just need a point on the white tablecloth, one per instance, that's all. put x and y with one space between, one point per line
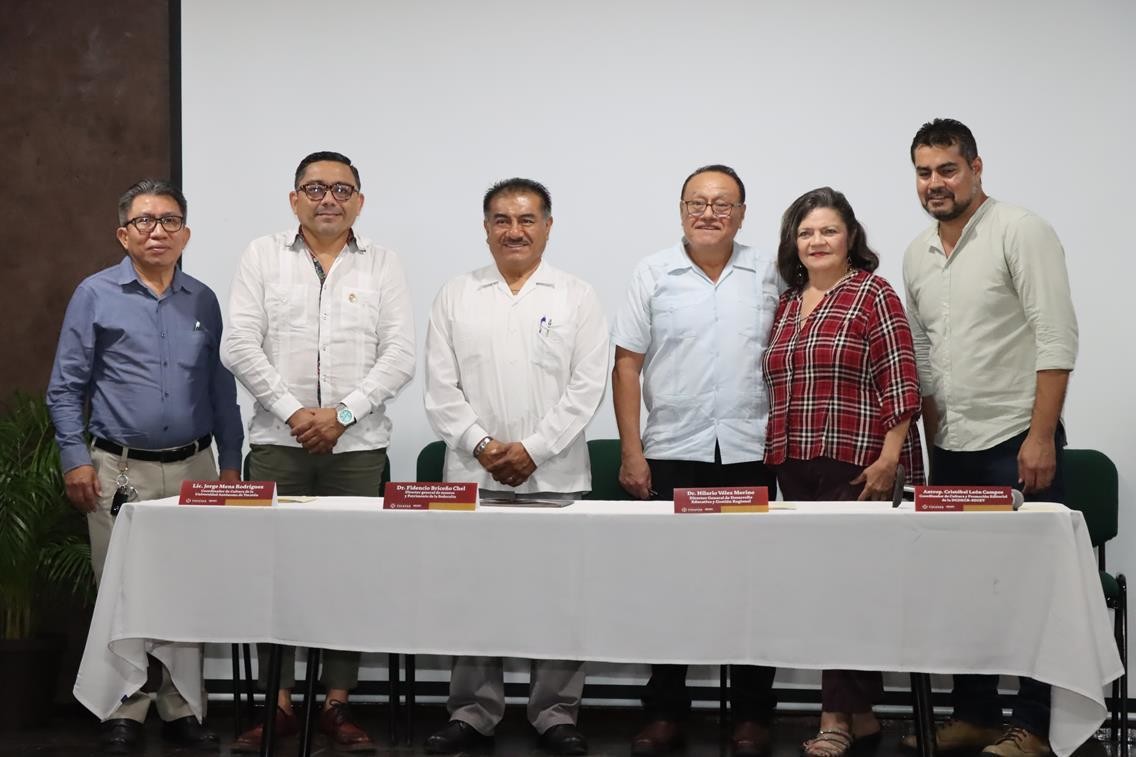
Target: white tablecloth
836 585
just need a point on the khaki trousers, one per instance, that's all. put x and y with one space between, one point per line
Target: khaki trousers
477 692
153 481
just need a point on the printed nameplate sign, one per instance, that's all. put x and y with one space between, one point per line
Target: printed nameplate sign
953 499
426 495
241 493
722 499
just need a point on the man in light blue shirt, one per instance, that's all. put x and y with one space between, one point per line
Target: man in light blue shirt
694 327
139 345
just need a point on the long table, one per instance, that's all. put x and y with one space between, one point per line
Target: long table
813 585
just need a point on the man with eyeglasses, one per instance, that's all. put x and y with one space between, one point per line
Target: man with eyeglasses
321 334
693 328
139 346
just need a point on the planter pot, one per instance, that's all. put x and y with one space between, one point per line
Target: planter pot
28 672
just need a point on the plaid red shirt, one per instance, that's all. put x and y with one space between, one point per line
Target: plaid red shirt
839 383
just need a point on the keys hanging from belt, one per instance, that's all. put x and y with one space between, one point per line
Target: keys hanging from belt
125 491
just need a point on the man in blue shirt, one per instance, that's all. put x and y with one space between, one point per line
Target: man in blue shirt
693 330
139 346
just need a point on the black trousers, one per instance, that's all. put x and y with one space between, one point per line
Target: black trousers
824 479
666 696
975 697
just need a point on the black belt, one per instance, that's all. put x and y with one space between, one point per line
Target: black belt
157 456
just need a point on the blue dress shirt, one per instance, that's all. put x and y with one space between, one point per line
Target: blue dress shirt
703 342
148 365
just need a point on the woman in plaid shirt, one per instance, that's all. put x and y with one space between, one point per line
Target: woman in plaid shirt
843 394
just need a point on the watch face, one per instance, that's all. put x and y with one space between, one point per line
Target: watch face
345 416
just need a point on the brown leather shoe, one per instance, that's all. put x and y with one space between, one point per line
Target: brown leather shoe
751 739
658 737
336 723
287 724
957 736
1018 742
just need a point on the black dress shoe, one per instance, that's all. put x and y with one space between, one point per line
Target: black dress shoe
120 735
564 739
188 732
457 736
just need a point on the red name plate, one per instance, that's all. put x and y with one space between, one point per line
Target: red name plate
953 499
722 499
420 495
246 493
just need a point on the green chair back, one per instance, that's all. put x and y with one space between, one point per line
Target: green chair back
605 458
1091 487
431 461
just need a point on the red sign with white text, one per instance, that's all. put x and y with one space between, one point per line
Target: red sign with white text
950 499
430 495
722 499
243 493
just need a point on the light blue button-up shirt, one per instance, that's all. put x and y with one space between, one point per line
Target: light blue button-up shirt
703 342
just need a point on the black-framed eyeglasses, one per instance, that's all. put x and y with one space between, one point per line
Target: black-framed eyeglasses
146 224
720 208
317 190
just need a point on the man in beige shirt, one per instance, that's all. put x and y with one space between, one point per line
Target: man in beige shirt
995 341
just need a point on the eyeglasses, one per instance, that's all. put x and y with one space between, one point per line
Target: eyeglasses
317 190
146 224
720 208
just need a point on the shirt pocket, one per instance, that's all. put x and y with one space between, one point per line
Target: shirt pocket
685 315
286 306
553 350
359 309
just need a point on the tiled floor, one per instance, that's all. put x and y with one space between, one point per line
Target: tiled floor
74 733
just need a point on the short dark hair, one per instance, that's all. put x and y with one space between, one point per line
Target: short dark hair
789 261
716 168
148 187
517 185
322 155
944 132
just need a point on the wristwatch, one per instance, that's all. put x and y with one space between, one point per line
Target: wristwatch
481 445
344 415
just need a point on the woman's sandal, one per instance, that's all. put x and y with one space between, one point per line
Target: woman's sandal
832 743
842 743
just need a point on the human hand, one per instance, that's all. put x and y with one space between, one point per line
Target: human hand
635 476
878 480
1037 463
319 430
509 465
83 488
229 476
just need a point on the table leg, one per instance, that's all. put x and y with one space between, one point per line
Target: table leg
271 694
410 671
250 693
309 702
723 711
393 664
924 714
235 653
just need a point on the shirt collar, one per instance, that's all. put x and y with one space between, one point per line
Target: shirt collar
298 242
743 256
490 276
936 241
127 275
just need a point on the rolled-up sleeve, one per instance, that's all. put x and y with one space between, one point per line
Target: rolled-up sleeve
892 358
1036 261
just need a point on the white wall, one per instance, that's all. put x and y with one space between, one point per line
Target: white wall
612 104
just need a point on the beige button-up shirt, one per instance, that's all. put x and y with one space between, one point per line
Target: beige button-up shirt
986 319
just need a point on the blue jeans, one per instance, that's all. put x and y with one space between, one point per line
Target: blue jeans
975 697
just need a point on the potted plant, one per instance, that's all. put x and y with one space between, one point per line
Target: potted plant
43 551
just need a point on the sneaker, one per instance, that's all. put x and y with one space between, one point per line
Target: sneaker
954 735
1018 742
